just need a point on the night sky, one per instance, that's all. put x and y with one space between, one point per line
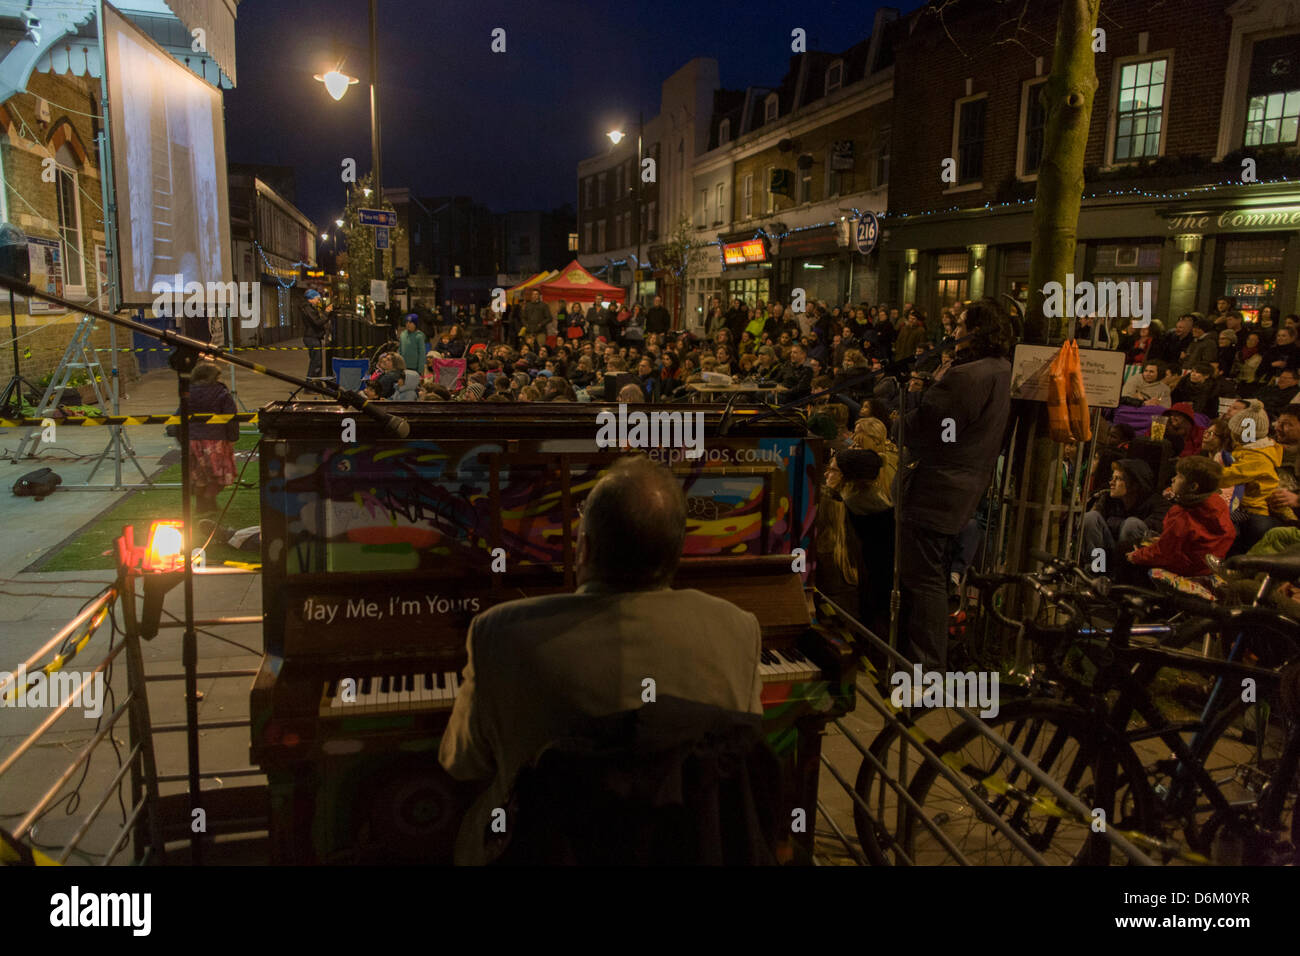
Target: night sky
505 128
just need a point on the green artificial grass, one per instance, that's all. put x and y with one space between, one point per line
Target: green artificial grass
93 547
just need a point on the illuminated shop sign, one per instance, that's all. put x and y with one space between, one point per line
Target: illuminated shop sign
739 253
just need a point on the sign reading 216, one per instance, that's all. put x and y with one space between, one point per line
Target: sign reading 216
866 230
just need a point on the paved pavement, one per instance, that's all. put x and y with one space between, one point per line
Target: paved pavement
34 606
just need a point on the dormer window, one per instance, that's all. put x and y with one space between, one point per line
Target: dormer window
834 76
770 108
724 132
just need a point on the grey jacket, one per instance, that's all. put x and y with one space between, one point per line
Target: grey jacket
538 664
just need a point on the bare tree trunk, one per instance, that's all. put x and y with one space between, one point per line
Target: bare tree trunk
1067 96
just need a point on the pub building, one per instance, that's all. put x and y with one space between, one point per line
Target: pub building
816 258
746 267
1192 245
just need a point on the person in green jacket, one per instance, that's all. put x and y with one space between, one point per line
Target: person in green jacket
414 344
911 336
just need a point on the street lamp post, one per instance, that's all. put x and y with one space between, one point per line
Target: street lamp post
616 136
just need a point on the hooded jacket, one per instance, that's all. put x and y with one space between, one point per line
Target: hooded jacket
1254 466
1150 507
1196 526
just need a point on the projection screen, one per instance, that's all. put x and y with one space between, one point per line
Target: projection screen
168 142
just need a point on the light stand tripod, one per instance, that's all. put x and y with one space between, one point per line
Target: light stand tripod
13 393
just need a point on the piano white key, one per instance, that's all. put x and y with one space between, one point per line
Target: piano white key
783 664
453 685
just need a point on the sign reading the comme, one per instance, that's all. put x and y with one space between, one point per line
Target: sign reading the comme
1278 217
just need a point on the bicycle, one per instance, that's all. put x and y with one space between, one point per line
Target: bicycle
1229 785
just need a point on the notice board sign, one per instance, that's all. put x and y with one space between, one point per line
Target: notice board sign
1103 374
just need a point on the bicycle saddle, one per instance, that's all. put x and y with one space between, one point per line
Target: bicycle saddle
1285 565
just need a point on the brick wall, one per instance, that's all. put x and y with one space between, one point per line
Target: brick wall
930 74
866 128
32 204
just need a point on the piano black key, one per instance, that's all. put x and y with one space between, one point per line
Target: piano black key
383 684
365 685
428 682
409 683
442 680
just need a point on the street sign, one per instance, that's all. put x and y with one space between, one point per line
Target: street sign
381 237
376 217
866 231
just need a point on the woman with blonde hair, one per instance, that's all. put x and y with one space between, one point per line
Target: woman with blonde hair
863 479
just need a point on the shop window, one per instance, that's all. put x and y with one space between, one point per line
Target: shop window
1253 254
968 137
1139 257
1273 95
1034 120
1139 117
953 277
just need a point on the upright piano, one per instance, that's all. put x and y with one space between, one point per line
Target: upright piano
378 552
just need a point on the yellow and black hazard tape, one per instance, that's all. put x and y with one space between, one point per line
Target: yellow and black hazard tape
198 418
14 853
61 659
995 783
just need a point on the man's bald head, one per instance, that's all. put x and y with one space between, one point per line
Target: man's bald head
633 525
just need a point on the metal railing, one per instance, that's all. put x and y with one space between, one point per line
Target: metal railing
907 736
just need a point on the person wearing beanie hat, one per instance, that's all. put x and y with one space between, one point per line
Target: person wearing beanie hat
1197 524
1128 511
1256 459
315 331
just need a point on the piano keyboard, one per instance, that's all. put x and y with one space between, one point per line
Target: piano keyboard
433 690
436 690
787 664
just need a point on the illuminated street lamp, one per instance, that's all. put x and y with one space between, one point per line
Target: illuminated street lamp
616 136
336 82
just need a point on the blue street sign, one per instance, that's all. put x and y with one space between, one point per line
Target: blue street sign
865 232
381 237
376 217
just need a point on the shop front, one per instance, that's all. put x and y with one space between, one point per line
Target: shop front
816 261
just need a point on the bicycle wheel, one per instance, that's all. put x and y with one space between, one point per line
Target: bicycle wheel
1241 750
1061 740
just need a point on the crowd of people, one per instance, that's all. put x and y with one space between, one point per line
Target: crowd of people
1198 461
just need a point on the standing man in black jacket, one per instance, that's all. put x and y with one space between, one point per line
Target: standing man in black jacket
315 331
953 438
657 319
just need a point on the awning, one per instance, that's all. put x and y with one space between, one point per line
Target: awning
62 37
574 283
514 292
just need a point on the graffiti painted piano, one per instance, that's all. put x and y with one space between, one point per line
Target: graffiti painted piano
378 552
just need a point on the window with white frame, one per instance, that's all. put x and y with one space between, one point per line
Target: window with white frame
747 197
703 219
1140 109
771 108
66 184
724 132
718 216
1033 128
1273 93
968 138
834 76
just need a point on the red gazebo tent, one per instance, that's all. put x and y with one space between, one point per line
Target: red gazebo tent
576 284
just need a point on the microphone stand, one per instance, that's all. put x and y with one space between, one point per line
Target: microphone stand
186 356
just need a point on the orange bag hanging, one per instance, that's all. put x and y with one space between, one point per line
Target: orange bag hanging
1077 398
1058 414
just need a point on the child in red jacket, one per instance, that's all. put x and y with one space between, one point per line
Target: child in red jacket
1196 525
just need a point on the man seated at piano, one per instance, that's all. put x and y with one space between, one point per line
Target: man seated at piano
538 665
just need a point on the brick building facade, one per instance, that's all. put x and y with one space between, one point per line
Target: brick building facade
60 201
1163 166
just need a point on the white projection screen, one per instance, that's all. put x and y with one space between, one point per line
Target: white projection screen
168 142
